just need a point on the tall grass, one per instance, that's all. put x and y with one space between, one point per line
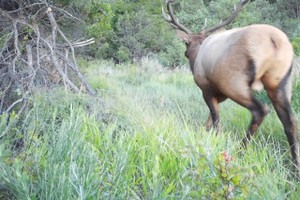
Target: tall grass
147 142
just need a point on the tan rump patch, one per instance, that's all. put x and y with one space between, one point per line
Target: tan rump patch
257 85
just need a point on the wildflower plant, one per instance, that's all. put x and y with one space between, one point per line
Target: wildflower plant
221 179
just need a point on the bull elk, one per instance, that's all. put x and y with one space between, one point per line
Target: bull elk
233 63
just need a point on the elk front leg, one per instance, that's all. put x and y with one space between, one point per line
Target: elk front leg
214 118
209 122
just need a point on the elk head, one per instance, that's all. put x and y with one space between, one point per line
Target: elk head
192 40
232 63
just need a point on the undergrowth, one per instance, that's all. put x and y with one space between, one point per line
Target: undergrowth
146 142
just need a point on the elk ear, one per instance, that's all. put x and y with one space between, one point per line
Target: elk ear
183 36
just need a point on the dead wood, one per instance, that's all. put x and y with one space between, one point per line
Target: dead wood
34 51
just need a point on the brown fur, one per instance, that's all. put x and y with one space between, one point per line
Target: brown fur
230 64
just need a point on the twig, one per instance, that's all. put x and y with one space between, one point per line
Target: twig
22 8
42 55
58 68
53 25
67 13
37 31
22 108
13 104
84 43
16 45
2 98
5 43
30 63
80 76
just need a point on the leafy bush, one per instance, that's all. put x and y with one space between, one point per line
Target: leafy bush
174 55
296 95
296 45
124 54
128 30
222 179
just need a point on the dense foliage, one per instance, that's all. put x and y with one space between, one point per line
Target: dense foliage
127 30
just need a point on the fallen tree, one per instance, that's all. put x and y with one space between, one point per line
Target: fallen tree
34 51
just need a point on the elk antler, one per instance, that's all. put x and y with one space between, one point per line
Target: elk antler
229 20
171 18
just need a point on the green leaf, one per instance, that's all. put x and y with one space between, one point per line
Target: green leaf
245 191
224 174
236 180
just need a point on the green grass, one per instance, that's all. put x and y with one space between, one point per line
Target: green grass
147 142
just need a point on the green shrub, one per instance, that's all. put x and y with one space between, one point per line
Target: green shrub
296 46
173 56
124 54
222 179
296 95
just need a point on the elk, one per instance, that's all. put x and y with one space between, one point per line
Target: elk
233 63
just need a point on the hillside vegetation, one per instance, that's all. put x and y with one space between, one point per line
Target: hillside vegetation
147 142
97 102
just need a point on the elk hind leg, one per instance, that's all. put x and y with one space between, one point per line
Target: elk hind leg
245 98
281 98
258 112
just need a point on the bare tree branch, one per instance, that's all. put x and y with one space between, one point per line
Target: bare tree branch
16 43
58 68
67 13
53 25
81 77
13 104
35 51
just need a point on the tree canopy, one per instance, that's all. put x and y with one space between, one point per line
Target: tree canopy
127 30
